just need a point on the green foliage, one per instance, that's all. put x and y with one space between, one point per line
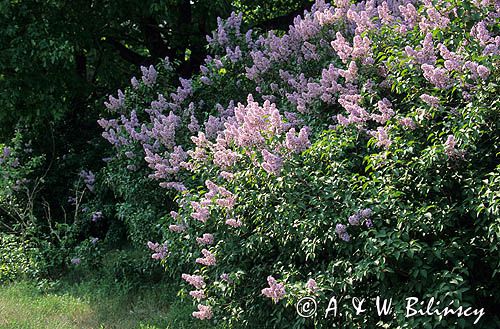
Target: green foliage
18 259
18 185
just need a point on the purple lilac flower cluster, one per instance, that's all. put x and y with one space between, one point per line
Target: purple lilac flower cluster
89 179
357 219
275 291
96 216
160 251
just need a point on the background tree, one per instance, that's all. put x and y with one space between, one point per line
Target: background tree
59 59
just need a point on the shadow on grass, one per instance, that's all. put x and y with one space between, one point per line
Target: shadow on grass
88 305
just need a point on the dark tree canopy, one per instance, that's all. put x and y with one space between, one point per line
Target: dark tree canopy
59 57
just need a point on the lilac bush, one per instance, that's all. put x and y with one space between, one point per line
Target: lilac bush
352 148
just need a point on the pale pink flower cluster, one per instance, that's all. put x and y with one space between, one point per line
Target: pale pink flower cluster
407 123
361 17
272 163
450 148
481 33
276 291
342 47
410 16
194 280
178 186
434 19
207 238
311 285
426 55
386 111
160 251
477 71
200 213
176 228
432 101
252 123
278 49
384 13
437 76
204 312
382 137
221 36
233 222
227 175
208 258
251 128
197 294
452 61
362 49
357 114
298 143
351 73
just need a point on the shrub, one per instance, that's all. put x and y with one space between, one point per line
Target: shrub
365 159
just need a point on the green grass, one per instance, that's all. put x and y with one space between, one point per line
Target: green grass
123 290
88 305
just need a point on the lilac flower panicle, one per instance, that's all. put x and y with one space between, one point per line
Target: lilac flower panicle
365 213
382 137
197 294
437 76
225 277
276 291
208 258
430 100
76 261
407 123
176 228
272 163
115 104
160 251
340 228
149 75
207 238
96 216
6 152
196 281
354 219
233 222
88 179
200 212
483 72
204 312
345 236
311 285
450 147
298 143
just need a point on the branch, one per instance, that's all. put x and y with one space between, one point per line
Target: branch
282 22
127 54
154 40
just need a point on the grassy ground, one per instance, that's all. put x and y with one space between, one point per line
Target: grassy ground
119 289
85 305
